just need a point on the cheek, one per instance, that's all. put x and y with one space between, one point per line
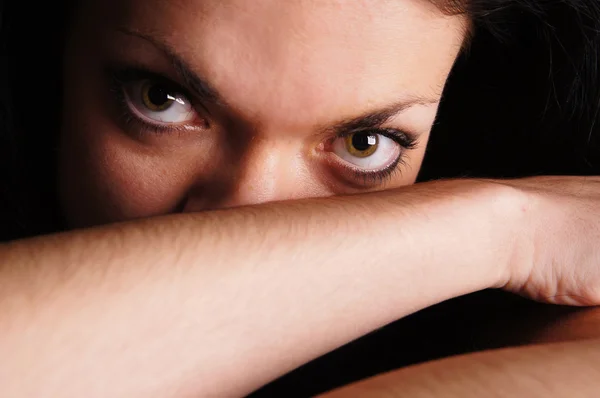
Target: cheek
138 184
104 181
106 175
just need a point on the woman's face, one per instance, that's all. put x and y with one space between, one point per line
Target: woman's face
188 105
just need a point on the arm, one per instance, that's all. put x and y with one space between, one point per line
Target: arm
557 370
220 303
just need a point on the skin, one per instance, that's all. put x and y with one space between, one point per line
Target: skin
203 305
283 86
556 370
63 295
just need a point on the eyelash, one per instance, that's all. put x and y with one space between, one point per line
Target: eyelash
405 140
119 77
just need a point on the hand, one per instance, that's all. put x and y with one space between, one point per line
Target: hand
558 249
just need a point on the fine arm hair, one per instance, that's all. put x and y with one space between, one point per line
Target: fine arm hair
523 99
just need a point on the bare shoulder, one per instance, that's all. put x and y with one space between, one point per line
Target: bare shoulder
566 369
574 325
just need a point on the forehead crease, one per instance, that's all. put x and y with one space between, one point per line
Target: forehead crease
312 56
287 56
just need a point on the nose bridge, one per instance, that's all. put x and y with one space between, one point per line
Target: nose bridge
269 171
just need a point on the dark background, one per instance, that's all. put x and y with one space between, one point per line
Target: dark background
522 100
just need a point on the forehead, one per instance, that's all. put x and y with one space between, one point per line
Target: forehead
305 57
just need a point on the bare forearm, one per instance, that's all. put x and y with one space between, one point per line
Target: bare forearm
220 303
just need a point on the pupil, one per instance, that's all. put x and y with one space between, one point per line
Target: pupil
363 142
158 95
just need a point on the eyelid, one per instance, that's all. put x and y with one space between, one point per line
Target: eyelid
135 73
120 77
364 179
405 139
129 74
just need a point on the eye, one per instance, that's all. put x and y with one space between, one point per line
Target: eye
367 150
157 103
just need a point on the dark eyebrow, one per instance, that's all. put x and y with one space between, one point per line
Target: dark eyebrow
205 91
375 119
197 84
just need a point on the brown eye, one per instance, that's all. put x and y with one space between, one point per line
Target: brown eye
361 144
366 150
157 103
156 97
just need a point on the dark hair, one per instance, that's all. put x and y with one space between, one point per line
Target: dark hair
523 99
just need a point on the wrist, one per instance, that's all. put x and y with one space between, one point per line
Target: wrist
511 218
495 225
475 227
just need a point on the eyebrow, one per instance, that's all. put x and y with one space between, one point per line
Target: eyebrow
206 92
376 119
197 84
